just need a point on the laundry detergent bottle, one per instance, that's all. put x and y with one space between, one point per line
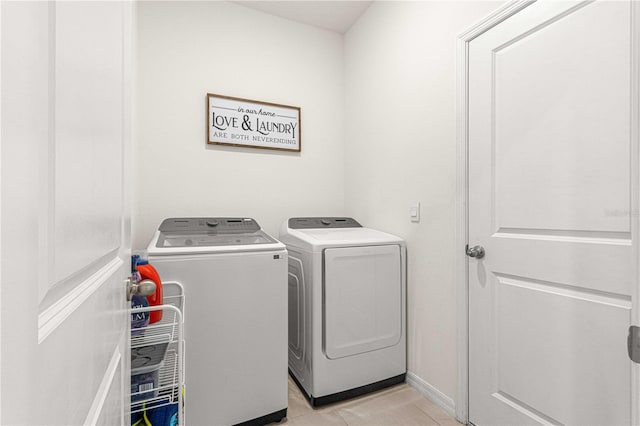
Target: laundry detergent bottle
148 272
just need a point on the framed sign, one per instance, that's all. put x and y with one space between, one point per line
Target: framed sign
255 124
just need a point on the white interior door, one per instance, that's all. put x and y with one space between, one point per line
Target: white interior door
552 130
64 232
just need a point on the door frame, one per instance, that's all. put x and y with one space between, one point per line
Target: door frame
462 196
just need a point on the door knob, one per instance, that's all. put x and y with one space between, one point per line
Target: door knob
475 251
143 288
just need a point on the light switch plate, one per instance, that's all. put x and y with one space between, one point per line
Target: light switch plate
414 212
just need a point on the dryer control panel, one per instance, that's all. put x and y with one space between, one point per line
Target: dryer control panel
323 222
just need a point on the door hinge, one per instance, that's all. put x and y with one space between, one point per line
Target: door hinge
633 343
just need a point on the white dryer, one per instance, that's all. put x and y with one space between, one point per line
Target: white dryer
347 307
235 284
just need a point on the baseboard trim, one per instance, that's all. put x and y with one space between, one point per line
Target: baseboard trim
431 393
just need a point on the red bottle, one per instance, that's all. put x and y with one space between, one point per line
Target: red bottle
148 272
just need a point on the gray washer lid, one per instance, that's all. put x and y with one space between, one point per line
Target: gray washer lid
209 225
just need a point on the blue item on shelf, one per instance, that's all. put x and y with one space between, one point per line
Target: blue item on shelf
139 319
135 258
164 416
144 386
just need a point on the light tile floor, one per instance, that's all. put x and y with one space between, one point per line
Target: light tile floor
397 405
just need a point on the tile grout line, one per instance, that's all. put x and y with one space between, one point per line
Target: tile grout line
305 412
426 413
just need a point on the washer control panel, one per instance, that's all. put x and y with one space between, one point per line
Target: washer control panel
323 222
209 225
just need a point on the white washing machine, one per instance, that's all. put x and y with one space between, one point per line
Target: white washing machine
235 284
347 307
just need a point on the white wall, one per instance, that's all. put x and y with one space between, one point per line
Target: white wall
393 79
400 148
185 50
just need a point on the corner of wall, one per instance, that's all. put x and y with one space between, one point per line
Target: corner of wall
432 393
